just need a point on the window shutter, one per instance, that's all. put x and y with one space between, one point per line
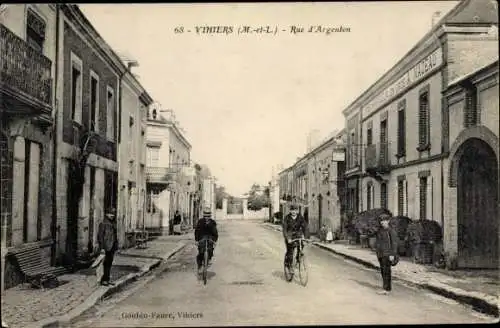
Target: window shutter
429 198
423 198
416 203
423 119
470 109
405 199
400 198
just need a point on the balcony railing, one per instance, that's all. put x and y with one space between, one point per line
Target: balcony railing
24 69
160 174
377 157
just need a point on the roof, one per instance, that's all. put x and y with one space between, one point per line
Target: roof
466 12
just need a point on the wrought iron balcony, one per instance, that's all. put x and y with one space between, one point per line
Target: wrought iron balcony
377 157
25 73
162 175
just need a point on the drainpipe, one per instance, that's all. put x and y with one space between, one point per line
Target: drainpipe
55 148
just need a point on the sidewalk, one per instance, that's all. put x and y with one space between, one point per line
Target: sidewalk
476 288
23 306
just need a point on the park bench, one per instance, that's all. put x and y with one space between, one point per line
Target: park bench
36 271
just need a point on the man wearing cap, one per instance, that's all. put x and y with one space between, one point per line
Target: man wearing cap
205 228
294 226
107 238
386 246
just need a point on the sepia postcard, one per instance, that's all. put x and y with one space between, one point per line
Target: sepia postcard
249 163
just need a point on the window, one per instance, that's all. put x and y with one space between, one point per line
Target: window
423 198
383 195
401 197
470 110
369 196
76 88
384 150
32 224
353 158
111 115
423 121
369 136
35 31
94 102
401 128
153 156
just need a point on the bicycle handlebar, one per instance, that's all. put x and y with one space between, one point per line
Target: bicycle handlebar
300 239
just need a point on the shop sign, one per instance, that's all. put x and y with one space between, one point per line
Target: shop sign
418 72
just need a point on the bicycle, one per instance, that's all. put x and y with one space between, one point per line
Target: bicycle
205 258
298 262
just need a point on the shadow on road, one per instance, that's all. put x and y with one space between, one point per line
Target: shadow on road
366 284
279 275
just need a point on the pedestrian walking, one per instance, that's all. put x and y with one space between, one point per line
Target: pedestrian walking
107 238
386 246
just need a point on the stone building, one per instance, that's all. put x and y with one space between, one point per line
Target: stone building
399 129
134 102
170 179
28 67
87 134
471 169
315 182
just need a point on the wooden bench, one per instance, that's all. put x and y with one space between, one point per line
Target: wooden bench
35 270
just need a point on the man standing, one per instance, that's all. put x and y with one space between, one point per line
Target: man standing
386 246
107 238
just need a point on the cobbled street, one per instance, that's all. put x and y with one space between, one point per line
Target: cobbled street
246 287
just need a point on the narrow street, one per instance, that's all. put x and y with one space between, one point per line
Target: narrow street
246 287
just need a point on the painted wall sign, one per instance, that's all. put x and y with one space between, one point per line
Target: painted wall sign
418 72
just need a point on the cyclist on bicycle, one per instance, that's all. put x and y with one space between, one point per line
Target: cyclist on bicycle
205 228
294 226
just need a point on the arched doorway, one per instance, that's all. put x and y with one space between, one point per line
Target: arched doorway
477 207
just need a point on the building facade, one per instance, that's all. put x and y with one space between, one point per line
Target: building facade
88 134
28 58
134 102
171 178
325 191
471 169
405 126
316 184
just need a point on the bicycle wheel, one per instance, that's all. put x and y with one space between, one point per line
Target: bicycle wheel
205 266
303 276
288 272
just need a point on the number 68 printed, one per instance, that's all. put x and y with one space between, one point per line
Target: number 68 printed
179 29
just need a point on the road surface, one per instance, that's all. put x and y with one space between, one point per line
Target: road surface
246 287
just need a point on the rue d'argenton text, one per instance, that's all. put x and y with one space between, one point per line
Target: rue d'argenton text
265 29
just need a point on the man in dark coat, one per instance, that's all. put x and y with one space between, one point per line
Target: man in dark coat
107 237
294 226
205 228
386 246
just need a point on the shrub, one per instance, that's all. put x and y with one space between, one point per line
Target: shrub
367 222
422 236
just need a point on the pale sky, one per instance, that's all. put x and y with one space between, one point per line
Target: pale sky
247 102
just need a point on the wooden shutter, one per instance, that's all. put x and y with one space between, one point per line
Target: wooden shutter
416 202
401 198
429 199
423 198
405 195
402 130
423 119
470 108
